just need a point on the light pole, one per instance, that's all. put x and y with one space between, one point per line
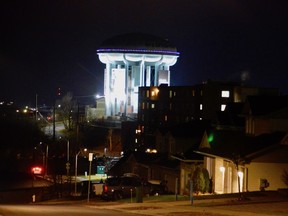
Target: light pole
45 162
76 170
68 158
46 157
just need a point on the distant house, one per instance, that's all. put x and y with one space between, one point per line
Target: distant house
180 138
268 165
149 167
189 161
234 159
266 114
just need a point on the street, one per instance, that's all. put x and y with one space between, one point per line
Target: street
45 210
130 209
271 204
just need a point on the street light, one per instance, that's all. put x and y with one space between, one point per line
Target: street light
76 169
46 158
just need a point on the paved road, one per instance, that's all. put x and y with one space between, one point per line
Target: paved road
184 208
254 206
63 210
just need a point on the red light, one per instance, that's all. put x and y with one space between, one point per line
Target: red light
105 188
36 170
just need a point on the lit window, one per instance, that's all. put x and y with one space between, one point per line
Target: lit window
156 91
174 94
193 93
152 105
170 94
166 118
143 106
136 141
201 106
223 106
147 93
225 94
152 93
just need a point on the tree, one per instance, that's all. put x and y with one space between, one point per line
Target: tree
19 133
65 109
198 181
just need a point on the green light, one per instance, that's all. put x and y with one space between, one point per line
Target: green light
211 137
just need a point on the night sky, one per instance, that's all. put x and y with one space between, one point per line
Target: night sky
50 44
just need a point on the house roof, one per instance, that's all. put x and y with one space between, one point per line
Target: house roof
229 144
264 105
147 159
189 156
273 154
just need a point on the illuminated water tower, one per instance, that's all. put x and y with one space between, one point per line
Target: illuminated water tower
132 61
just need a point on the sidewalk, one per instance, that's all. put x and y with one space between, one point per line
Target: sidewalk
254 206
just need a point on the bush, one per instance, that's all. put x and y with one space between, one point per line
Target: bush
285 177
198 181
207 180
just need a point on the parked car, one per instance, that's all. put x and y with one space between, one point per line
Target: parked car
156 187
121 187
115 188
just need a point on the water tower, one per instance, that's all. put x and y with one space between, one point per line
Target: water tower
132 61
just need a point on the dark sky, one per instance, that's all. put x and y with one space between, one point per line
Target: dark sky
50 44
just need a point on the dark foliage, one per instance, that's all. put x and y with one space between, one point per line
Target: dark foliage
285 177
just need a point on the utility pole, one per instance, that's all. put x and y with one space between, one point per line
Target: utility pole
36 109
54 115
89 178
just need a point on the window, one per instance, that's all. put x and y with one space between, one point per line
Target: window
225 94
193 93
152 106
166 118
147 93
201 106
223 106
170 94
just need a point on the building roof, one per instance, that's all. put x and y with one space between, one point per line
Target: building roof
138 43
231 144
264 105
